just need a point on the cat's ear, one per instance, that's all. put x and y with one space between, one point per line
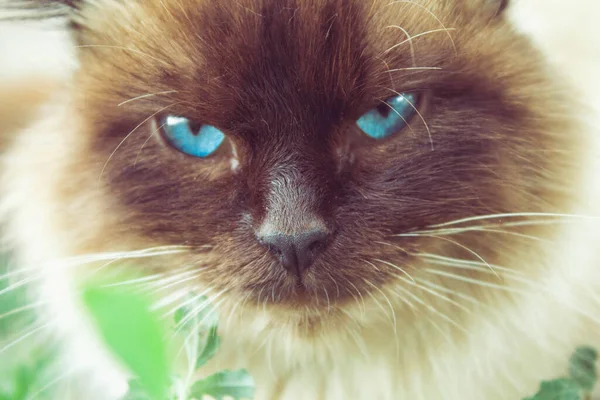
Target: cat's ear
70 3
495 8
20 10
37 59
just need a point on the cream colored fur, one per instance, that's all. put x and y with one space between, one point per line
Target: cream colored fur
538 329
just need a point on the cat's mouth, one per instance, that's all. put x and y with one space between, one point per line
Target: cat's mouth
301 297
304 311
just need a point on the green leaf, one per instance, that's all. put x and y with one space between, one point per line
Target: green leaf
204 319
25 379
236 384
199 319
210 345
582 367
558 389
136 391
133 333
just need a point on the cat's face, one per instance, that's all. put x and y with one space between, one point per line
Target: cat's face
298 207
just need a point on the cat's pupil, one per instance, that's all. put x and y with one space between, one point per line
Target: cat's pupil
195 128
384 109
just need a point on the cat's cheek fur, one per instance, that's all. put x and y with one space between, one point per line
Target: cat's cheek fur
34 228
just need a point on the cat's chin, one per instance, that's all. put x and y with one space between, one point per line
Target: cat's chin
304 323
300 298
303 315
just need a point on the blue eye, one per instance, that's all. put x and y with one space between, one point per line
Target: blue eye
180 134
389 118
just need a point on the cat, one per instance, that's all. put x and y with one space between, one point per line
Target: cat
383 199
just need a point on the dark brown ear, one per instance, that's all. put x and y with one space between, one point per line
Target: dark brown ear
495 7
70 3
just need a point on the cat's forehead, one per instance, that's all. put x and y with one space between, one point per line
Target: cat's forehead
261 54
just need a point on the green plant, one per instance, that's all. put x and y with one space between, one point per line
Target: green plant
14 312
580 382
24 367
138 338
134 333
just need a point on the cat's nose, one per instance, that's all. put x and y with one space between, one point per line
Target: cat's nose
296 252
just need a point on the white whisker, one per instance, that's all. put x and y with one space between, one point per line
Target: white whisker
396 267
269 354
481 228
193 313
434 16
410 43
103 266
194 275
419 114
372 265
393 245
244 301
137 156
259 295
512 215
415 69
465 264
145 279
411 38
337 287
327 297
360 344
168 299
387 67
125 255
364 306
23 337
261 345
192 299
399 115
145 96
473 281
450 291
191 346
21 309
445 298
131 133
17 285
53 382
467 249
433 309
394 322
232 311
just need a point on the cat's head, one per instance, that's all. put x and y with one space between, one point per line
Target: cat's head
310 153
